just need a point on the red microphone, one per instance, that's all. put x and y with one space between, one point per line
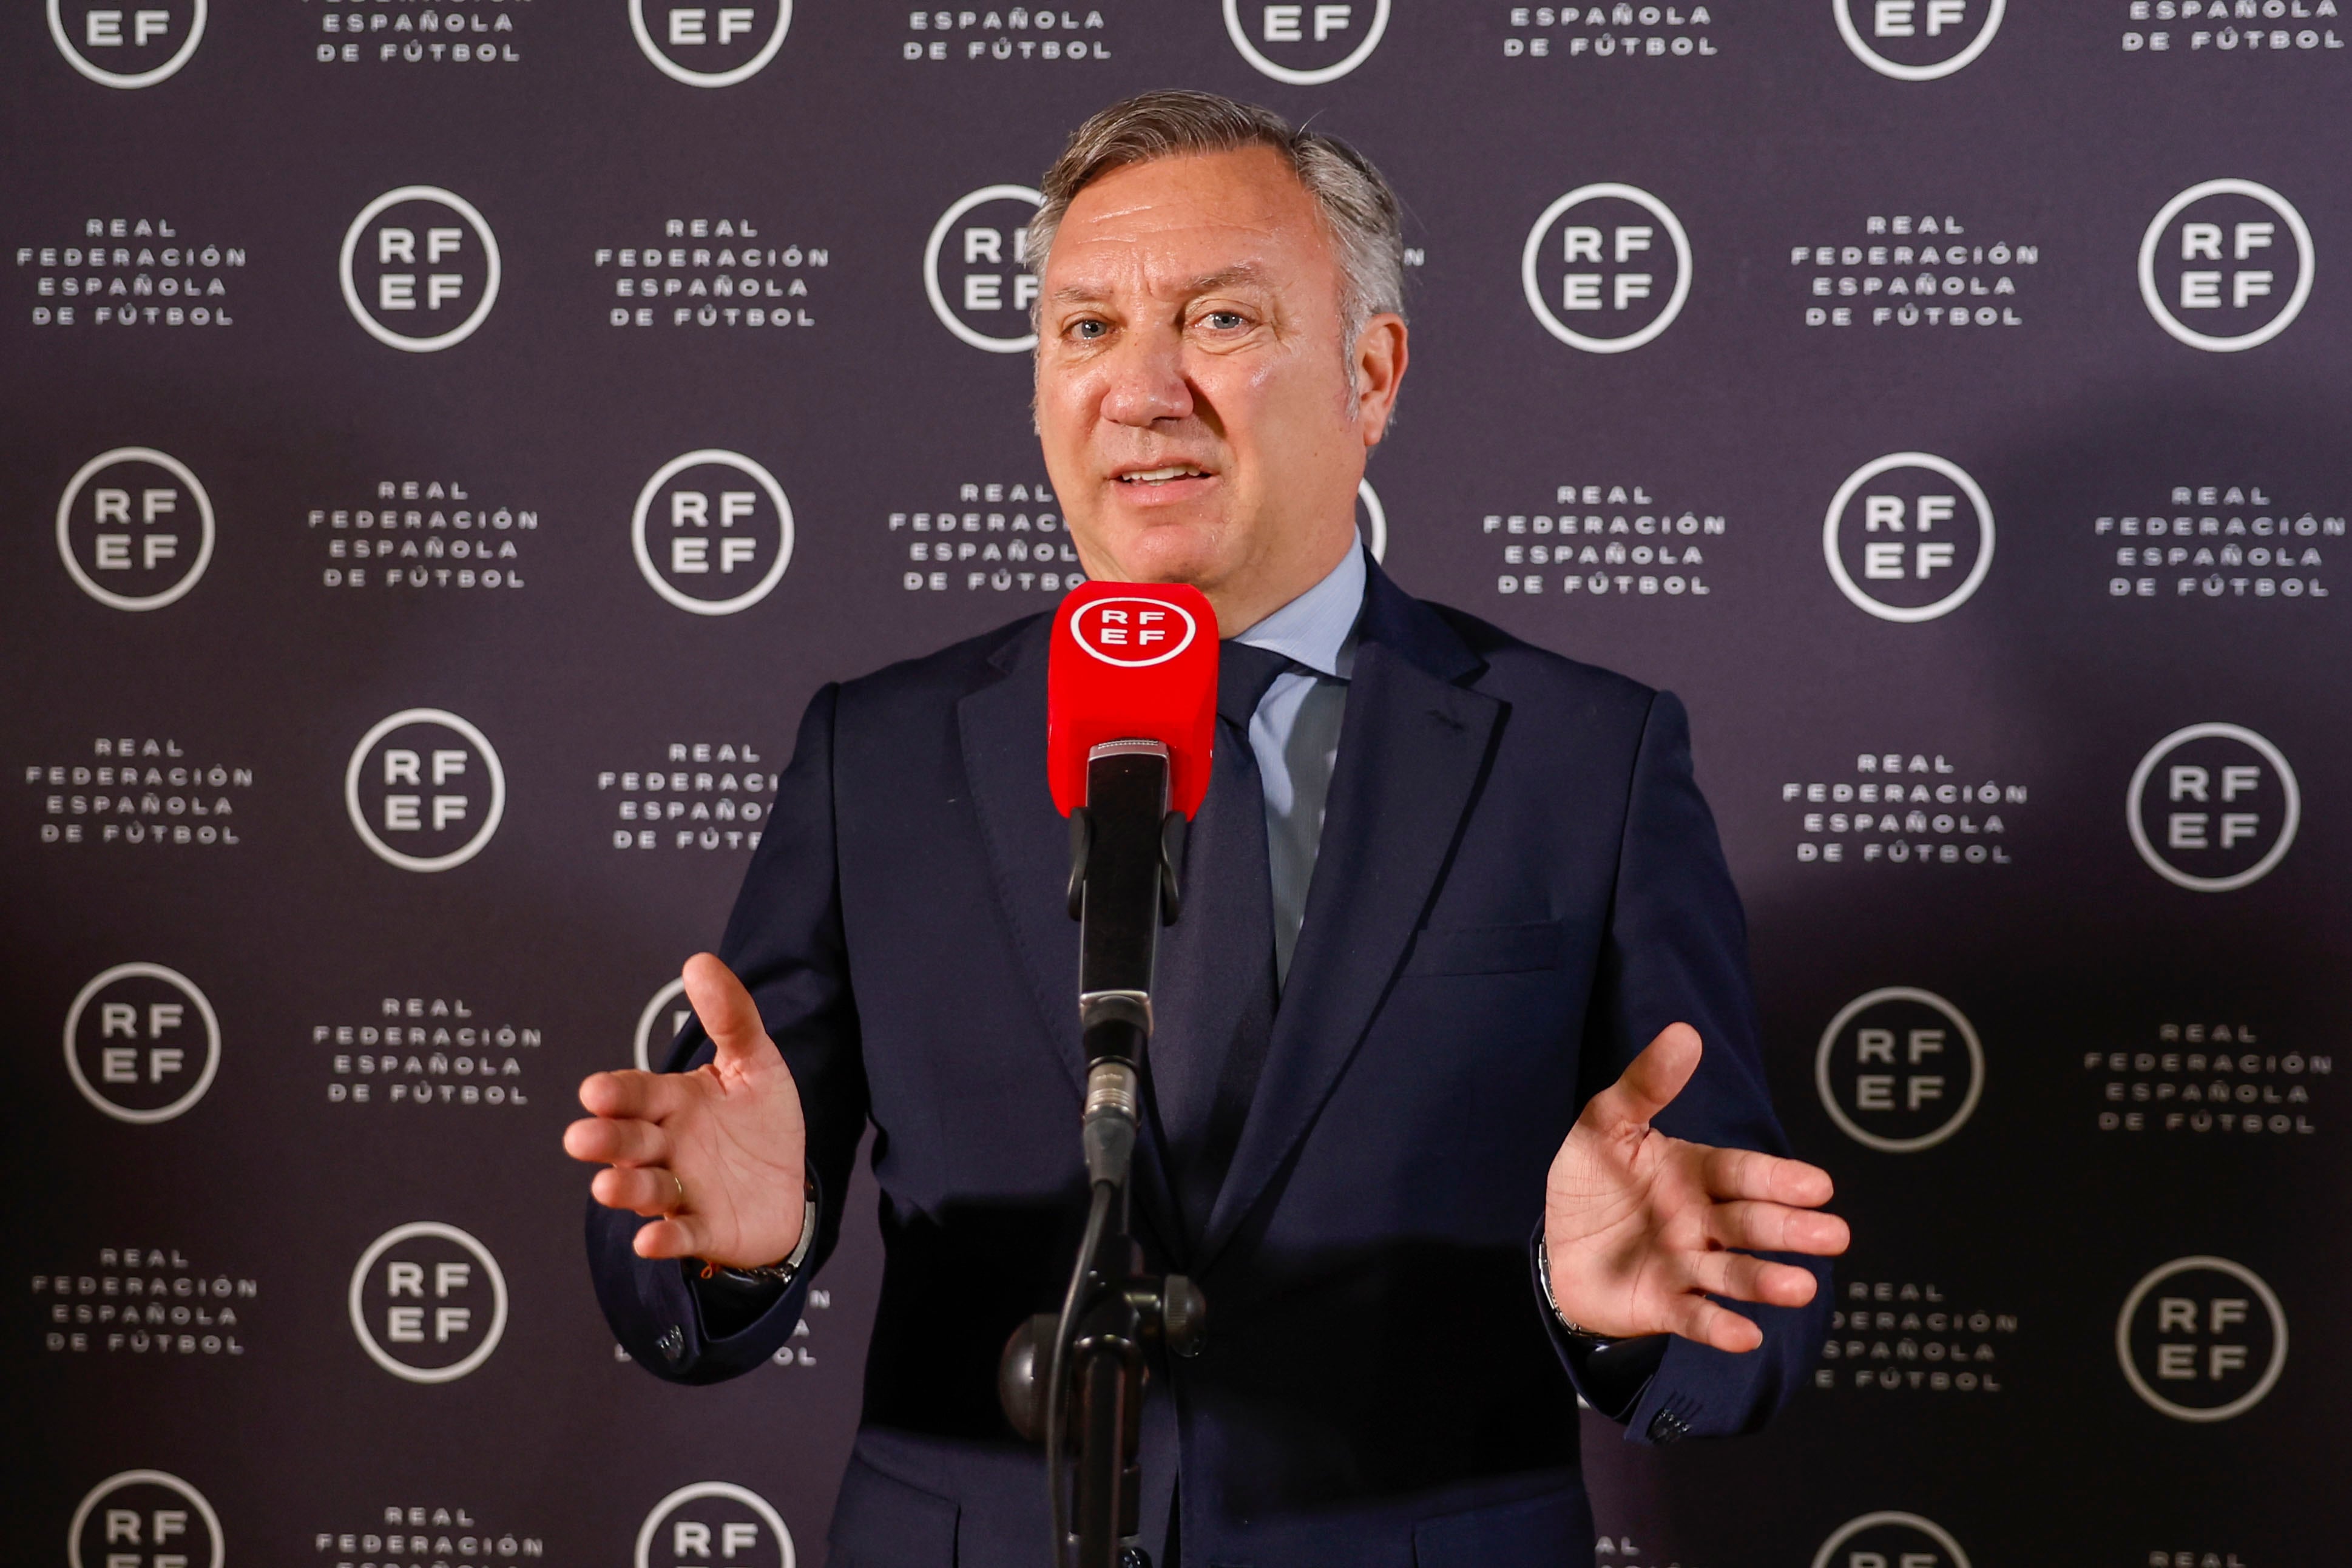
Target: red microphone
1130 722
1132 662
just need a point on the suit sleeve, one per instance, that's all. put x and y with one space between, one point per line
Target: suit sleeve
1677 951
784 942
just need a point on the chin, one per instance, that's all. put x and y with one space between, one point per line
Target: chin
1171 549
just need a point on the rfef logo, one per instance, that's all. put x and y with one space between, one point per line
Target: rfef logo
420 268
712 532
1133 632
706 45
658 1026
1305 44
2202 1339
135 44
1899 1070
1890 1539
2213 807
978 270
427 1302
714 1521
1606 268
1917 40
142 1043
135 529
424 790
1371 520
1898 543
144 1518
2226 265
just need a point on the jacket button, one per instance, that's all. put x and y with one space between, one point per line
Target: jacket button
672 1344
1666 1426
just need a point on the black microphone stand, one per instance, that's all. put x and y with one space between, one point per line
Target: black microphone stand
1124 847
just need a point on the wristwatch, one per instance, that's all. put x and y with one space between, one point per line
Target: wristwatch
767 1275
1543 1274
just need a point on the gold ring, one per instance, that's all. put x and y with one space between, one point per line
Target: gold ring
679 1182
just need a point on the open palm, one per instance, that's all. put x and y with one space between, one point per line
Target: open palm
1640 1228
716 1154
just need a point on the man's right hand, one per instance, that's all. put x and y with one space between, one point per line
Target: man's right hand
718 1154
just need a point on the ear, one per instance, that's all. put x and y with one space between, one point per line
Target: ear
1378 362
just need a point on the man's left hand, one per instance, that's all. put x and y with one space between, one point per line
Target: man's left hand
1640 1229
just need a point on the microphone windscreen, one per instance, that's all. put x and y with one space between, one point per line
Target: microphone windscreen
1132 662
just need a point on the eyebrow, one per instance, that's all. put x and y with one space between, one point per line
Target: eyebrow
1206 283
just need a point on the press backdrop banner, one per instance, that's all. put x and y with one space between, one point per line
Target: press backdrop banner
448 440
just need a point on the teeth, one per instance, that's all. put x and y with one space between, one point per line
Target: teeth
1154 476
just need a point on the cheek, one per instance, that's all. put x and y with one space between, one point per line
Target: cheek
1066 404
1246 397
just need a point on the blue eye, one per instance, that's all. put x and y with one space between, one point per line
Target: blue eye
1090 329
1223 321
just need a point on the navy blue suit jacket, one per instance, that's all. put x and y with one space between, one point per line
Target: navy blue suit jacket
1519 886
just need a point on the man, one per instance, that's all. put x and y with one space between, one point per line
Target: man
1458 1002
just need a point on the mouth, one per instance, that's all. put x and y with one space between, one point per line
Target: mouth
1165 474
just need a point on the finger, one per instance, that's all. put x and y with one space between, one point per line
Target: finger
672 1237
1738 1276
604 1141
723 1007
1650 1080
1710 1324
639 1096
1774 1228
1749 1174
640 1189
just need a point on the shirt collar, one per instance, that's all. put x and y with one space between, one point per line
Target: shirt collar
1318 628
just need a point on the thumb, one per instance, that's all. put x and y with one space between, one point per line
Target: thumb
1652 1080
723 1007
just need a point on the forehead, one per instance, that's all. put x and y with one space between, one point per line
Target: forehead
1157 224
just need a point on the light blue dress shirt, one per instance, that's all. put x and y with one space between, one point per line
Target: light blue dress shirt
1294 733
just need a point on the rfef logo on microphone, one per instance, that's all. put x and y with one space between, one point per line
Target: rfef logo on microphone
144 1518
135 529
1909 537
714 1521
1132 662
420 268
1606 268
424 790
2226 265
703 45
1133 632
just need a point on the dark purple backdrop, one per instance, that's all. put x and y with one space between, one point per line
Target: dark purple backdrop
2076 1085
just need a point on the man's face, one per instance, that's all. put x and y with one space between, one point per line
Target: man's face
1203 420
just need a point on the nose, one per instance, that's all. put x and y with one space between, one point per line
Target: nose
1146 381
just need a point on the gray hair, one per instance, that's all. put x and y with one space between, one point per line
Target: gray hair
1361 210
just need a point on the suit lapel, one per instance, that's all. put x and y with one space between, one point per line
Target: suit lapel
1412 747
1002 726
